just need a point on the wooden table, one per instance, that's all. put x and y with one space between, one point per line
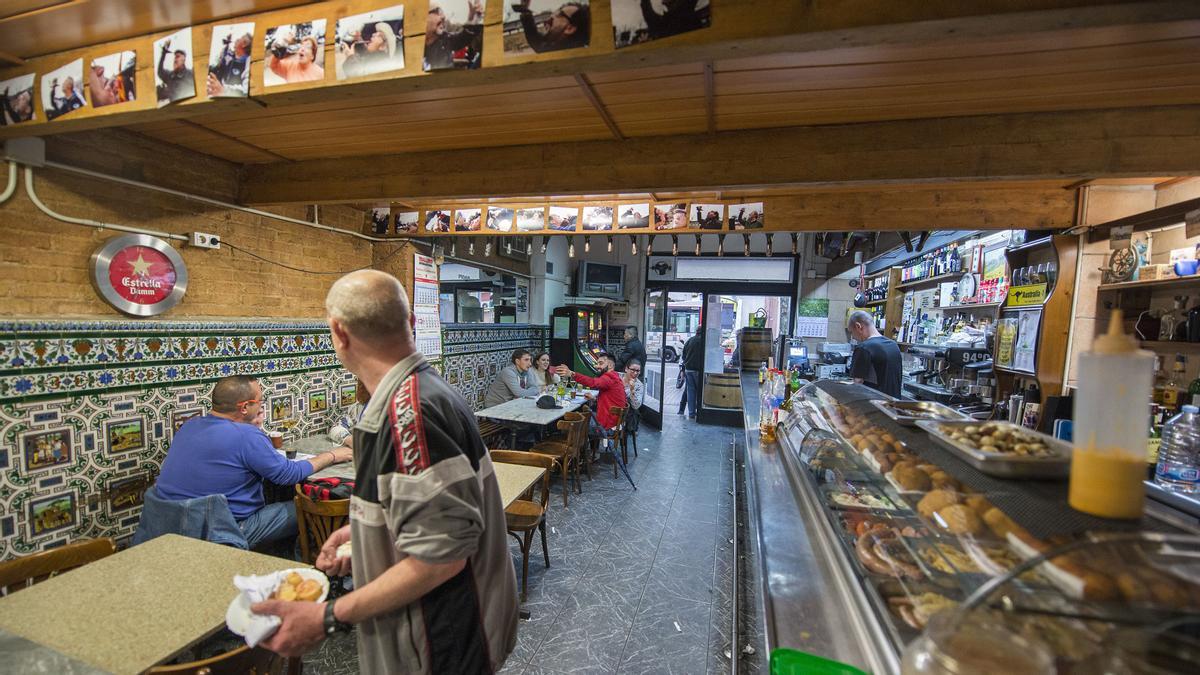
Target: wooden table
315 445
136 608
515 479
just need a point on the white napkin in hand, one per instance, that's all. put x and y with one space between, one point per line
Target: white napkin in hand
257 589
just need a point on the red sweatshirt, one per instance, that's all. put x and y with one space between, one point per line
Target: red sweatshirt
612 393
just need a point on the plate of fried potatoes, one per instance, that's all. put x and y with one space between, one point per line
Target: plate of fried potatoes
295 585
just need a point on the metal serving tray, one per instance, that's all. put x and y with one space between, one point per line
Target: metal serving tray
896 410
1003 465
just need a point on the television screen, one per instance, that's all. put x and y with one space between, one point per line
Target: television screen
601 280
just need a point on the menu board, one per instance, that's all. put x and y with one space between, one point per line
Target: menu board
428 329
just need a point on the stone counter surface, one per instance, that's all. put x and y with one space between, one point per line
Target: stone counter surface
137 608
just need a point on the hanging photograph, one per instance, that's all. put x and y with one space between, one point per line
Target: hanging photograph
380 218
406 221
706 216
633 216
670 216
370 43
747 216
112 79
295 53
531 220
467 220
563 218
62 90
597 217
437 220
52 513
638 21
229 61
537 26
16 100
454 34
125 435
500 219
173 76
45 449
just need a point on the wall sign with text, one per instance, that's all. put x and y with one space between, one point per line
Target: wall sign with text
139 275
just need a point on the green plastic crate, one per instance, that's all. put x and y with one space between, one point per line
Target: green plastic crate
791 662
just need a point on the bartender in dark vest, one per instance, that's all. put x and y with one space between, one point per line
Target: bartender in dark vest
876 361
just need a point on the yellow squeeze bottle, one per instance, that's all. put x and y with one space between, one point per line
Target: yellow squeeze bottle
1108 465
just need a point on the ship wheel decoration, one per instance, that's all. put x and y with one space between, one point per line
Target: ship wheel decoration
1121 265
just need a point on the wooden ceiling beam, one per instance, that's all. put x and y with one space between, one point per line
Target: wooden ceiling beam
710 98
1035 146
589 92
235 140
757 27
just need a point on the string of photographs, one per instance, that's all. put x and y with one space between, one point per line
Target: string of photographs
363 45
604 218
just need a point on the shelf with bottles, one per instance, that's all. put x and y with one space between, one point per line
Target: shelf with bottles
944 261
875 288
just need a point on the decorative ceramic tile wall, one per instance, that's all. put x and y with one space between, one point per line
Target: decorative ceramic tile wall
87 411
472 354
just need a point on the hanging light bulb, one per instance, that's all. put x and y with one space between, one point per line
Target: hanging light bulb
634 246
544 240
487 248
610 243
721 245
746 245
770 250
587 244
529 246
508 246
795 243
674 244
571 248
649 246
453 248
697 244
471 248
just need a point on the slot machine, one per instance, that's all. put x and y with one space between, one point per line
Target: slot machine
577 338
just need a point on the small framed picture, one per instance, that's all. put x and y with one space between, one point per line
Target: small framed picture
125 435
45 449
180 416
282 408
126 493
52 513
318 400
346 395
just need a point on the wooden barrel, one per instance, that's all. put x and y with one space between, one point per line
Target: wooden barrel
754 346
722 390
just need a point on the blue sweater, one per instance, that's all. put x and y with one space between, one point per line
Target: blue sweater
212 455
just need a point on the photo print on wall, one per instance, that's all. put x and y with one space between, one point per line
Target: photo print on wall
531 219
406 222
467 220
229 61
454 34
112 79
16 99
670 216
539 26
437 220
597 218
380 218
174 79
62 90
706 216
500 219
370 43
638 21
748 216
633 216
295 53
563 218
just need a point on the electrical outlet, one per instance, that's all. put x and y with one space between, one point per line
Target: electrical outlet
205 240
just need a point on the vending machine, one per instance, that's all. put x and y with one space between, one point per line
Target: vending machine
577 338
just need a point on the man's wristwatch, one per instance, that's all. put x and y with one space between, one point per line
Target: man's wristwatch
332 625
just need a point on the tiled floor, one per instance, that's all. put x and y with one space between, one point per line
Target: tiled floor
640 581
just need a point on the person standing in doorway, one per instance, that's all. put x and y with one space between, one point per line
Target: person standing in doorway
876 361
633 350
693 365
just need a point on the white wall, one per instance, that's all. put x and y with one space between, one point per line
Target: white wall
546 291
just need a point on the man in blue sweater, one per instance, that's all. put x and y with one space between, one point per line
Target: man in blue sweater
224 452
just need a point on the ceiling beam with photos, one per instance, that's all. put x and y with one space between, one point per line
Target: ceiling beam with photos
1032 146
747 29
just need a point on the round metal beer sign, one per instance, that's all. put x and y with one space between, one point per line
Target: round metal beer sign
138 274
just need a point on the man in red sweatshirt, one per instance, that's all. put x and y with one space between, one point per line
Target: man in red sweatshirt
612 392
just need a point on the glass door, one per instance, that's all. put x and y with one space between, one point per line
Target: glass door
655 366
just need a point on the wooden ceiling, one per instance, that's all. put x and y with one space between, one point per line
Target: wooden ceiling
1097 68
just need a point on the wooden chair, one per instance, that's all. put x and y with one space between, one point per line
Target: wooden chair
566 448
493 433
34 569
524 516
316 521
240 661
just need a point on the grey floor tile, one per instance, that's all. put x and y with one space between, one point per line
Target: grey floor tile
670 582
668 637
584 639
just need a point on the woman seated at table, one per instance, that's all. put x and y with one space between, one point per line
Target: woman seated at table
541 375
634 388
342 430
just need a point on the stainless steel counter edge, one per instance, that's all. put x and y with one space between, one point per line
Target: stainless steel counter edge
812 600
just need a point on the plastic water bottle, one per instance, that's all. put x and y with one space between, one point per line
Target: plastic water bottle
1179 455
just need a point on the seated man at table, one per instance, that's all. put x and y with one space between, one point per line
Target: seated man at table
224 452
513 381
612 393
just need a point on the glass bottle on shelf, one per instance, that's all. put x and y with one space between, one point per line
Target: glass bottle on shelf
1175 389
1172 319
1160 380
